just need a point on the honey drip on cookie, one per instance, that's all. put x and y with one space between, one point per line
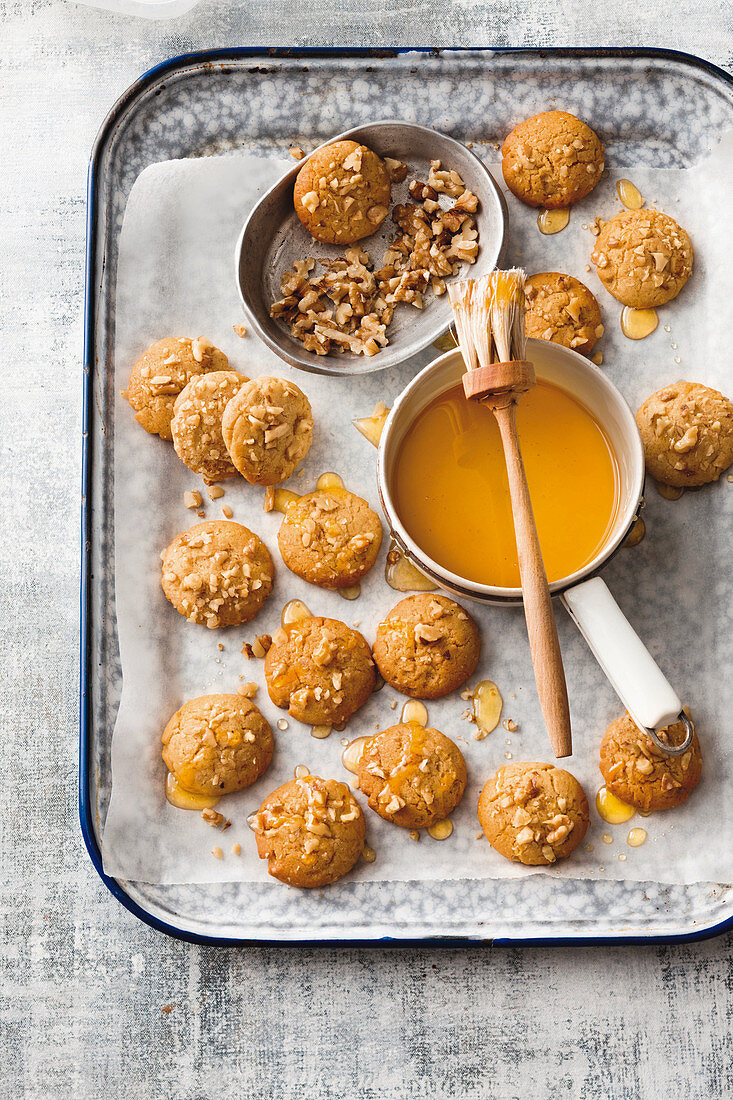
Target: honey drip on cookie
415 713
613 809
553 221
636 837
402 575
352 754
182 799
669 492
637 324
330 480
371 426
487 704
279 500
441 830
629 194
293 612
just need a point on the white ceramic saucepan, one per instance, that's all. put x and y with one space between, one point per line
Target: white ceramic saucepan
630 668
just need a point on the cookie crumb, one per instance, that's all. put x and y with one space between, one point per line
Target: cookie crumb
167 1008
248 690
296 152
226 511
236 849
217 852
220 646
269 502
241 330
414 834
192 498
510 725
214 492
215 819
247 651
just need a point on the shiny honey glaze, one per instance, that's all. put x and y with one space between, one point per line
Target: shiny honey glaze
612 809
452 494
637 324
182 799
553 221
487 704
629 194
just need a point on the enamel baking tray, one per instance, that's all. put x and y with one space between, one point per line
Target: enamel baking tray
261 101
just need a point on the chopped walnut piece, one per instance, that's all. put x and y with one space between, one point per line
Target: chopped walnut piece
192 498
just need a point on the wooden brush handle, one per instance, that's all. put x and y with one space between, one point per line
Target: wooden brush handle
541 627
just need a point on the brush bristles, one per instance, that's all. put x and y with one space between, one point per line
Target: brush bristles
489 315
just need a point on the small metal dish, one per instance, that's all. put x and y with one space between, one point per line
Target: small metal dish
273 238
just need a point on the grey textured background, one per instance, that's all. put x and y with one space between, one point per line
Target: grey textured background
82 983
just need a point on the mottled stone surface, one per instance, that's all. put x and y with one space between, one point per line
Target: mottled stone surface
83 985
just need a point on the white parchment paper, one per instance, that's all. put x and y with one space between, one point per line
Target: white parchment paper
176 277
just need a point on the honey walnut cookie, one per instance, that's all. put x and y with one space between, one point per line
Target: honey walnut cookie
217 744
413 776
427 646
217 573
268 429
330 537
687 432
160 374
533 813
320 670
643 258
552 159
562 309
311 831
196 424
342 193
636 771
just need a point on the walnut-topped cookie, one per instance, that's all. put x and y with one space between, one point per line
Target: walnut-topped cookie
427 646
643 258
533 813
552 160
217 573
311 831
342 193
636 771
320 670
161 373
217 744
330 537
268 429
413 776
196 424
563 310
687 432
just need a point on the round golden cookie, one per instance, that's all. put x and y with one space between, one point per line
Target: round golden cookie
533 813
320 670
196 424
330 537
643 258
427 646
413 776
217 573
161 373
342 193
217 744
560 308
687 432
311 831
552 160
268 429
636 771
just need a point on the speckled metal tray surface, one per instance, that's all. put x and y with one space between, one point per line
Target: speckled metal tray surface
259 101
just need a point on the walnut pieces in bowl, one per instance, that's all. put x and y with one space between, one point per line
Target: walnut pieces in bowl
368 306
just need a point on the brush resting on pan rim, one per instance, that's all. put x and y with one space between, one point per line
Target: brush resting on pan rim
489 317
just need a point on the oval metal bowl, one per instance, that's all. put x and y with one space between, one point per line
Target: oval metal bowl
273 238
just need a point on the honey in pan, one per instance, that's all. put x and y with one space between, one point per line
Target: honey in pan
452 493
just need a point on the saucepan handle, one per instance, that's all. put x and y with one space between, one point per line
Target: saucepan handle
631 670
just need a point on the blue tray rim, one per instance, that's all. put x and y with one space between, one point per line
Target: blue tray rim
86 819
